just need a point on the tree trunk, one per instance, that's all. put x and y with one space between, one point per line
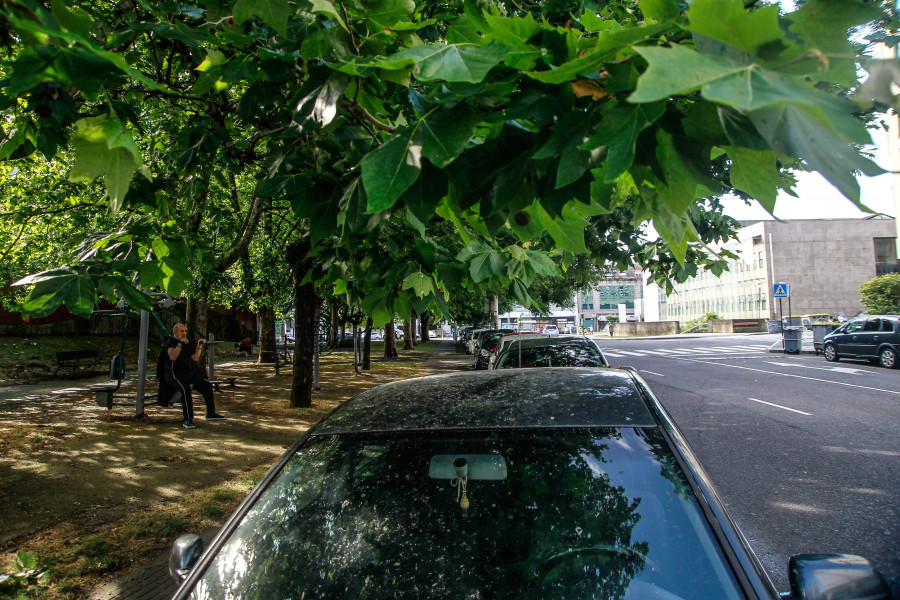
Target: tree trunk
305 308
390 340
197 316
409 335
367 346
267 345
425 326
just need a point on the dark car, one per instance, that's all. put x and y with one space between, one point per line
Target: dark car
517 484
875 337
487 345
556 351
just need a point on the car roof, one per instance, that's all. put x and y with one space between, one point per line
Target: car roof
556 340
509 398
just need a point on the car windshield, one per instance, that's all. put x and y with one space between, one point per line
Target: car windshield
568 355
571 513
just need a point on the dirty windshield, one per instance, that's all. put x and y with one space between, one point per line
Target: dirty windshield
564 513
568 355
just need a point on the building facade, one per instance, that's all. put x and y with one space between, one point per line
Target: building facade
823 261
592 306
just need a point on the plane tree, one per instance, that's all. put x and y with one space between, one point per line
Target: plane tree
537 131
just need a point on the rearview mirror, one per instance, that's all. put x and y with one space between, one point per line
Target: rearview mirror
835 577
185 552
476 467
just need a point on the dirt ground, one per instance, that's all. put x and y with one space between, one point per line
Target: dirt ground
69 468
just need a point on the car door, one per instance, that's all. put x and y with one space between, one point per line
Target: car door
868 339
847 341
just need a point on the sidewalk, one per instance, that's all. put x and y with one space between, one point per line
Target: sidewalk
152 581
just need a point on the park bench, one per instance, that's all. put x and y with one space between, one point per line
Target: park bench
76 359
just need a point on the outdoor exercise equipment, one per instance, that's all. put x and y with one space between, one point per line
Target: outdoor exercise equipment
105 393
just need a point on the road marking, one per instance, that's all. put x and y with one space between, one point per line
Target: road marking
853 385
847 370
632 353
780 406
652 373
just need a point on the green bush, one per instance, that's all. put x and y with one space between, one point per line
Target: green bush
881 296
710 316
27 582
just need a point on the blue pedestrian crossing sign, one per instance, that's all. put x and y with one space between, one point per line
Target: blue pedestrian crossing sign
782 290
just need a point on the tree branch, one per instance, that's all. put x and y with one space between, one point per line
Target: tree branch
361 112
247 231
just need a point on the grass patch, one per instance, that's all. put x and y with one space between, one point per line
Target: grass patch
212 510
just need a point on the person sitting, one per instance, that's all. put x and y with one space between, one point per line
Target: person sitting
179 373
246 346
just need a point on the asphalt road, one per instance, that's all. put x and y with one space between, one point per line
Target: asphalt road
805 453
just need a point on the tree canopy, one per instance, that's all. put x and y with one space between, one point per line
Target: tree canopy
421 147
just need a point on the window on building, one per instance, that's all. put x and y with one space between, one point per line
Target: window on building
587 299
886 256
611 296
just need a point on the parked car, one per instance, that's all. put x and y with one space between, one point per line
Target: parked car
876 337
557 351
551 330
526 484
472 338
487 346
376 335
508 338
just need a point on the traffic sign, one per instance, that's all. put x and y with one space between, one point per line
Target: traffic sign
782 290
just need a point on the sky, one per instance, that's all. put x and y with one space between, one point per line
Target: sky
818 199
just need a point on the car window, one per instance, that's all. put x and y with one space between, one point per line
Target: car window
887 325
853 326
873 325
570 355
572 513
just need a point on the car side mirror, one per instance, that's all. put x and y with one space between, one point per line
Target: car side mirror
185 552
835 577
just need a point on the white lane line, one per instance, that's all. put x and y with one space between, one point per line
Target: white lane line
652 373
853 385
780 406
847 370
631 353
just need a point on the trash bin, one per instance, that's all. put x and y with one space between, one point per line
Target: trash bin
793 339
773 326
820 330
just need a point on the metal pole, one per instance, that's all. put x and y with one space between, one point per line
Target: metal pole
211 356
142 365
316 384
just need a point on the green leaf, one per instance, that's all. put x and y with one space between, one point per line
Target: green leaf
76 21
680 185
756 173
324 7
619 131
449 62
385 13
486 265
446 133
65 286
274 12
103 147
678 70
659 10
567 231
795 132
541 263
391 168
728 21
513 31
823 25
420 283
